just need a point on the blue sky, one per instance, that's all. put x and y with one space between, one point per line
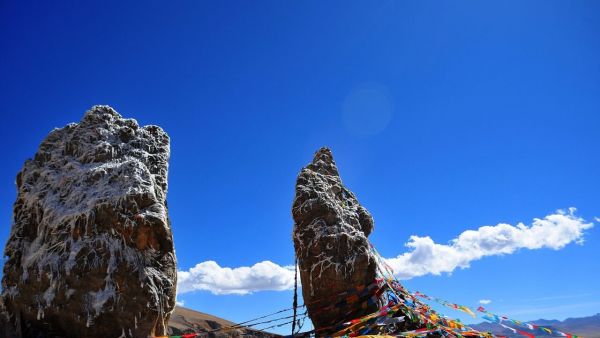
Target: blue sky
442 116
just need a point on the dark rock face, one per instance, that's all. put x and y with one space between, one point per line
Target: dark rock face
330 240
90 252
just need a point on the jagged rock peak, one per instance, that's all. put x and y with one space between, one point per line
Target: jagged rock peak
330 239
323 163
91 252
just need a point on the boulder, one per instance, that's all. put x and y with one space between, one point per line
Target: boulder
90 253
330 240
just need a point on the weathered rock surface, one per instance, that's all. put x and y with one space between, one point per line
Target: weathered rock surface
330 240
90 252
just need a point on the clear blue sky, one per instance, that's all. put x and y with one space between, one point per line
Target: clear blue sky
442 116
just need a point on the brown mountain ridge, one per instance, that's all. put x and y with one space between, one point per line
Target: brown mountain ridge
184 320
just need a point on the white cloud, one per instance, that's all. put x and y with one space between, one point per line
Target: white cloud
484 301
219 280
180 303
425 256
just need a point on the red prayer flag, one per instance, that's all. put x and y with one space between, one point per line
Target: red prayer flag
526 334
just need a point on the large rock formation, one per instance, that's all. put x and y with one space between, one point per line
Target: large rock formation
330 239
90 252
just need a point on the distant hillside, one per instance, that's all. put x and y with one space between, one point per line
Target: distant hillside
588 327
185 320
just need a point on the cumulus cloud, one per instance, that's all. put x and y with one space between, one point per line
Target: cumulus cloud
180 302
219 280
484 301
424 256
427 257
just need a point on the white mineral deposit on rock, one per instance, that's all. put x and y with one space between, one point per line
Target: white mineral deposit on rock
330 238
91 226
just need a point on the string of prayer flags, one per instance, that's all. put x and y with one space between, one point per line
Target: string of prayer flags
500 319
391 298
462 308
421 295
433 322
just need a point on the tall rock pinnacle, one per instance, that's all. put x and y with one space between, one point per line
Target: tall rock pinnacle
330 239
90 253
